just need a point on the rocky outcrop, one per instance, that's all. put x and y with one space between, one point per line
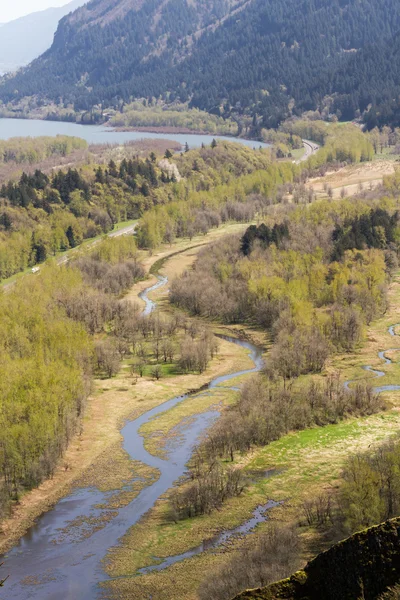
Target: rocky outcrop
363 566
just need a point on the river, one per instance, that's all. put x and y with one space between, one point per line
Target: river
56 562
99 134
378 374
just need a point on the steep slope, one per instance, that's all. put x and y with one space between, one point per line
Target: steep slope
265 56
363 566
24 39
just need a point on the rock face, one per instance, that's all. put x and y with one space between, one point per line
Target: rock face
363 566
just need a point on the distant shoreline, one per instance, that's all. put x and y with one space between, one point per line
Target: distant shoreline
108 127
167 129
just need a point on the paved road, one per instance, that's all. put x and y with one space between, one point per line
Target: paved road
310 149
129 230
63 260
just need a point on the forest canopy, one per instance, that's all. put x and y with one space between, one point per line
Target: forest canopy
276 60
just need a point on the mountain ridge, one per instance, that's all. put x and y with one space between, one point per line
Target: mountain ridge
36 29
224 56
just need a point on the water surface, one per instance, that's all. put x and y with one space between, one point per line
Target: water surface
60 557
99 134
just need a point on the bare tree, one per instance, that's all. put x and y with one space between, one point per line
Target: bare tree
156 372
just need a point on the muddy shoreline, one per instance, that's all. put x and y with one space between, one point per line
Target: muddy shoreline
49 565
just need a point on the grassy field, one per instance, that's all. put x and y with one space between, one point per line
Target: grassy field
95 456
303 464
353 178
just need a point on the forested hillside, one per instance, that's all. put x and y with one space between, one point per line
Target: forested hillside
47 211
48 356
265 58
42 214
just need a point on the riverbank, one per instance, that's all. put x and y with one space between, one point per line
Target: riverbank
104 134
95 457
293 469
167 129
182 130
298 467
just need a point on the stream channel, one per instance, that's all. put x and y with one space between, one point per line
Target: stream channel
51 563
376 372
58 560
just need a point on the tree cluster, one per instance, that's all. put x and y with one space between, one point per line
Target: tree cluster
264 235
266 411
45 374
209 489
374 230
370 492
272 556
48 356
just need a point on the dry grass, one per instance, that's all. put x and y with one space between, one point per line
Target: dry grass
112 402
369 175
307 463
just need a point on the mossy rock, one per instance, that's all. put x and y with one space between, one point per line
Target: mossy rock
363 566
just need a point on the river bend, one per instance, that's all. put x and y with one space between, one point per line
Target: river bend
48 565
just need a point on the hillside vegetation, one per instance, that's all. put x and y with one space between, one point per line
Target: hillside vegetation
368 494
313 277
48 357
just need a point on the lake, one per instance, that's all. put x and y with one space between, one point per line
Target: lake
99 134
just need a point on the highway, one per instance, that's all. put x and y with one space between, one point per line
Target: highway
63 260
310 149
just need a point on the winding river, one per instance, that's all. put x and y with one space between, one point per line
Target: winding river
57 559
59 562
376 372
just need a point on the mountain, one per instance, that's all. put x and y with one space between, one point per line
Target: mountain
24 39
265 57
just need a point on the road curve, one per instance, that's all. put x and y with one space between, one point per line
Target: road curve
310 149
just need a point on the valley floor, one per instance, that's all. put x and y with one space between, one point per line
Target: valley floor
291 470
87 461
